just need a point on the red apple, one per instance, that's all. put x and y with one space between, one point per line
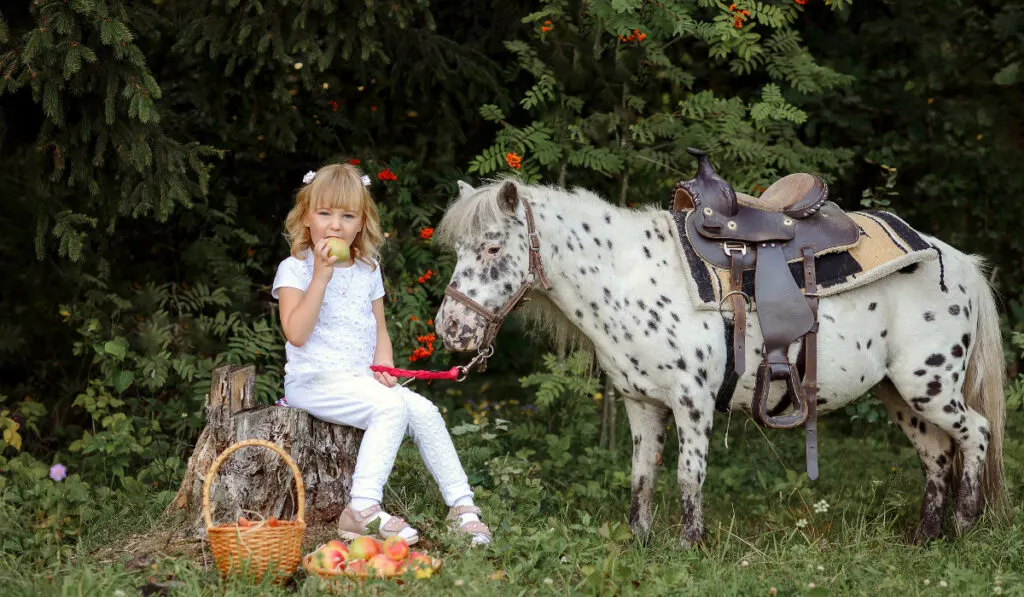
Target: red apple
335 557
363 548
396 548
340 546
358 569
384 566
421 564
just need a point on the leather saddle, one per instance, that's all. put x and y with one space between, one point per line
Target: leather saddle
792 220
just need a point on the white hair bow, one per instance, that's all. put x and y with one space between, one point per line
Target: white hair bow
366 180
308 178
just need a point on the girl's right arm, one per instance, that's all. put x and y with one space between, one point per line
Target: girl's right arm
300 310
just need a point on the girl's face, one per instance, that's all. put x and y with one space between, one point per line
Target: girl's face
333 221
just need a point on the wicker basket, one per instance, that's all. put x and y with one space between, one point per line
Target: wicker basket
249 552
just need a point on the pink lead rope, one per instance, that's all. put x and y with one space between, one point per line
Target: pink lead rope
452 374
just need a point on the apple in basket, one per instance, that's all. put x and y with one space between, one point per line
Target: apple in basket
395 548
341 547
420 564
363 548
383 566
358 568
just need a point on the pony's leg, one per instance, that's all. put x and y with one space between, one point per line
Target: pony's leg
647 422
693 422
934 385
935 447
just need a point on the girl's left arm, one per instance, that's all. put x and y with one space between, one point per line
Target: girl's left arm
384 354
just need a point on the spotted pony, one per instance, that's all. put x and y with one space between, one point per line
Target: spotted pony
931 350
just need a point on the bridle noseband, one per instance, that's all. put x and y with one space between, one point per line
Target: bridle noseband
494 320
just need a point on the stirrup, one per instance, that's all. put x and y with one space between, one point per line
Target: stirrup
766 373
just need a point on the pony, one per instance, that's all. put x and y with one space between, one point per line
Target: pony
611 278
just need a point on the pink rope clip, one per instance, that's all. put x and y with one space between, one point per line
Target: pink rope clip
452 374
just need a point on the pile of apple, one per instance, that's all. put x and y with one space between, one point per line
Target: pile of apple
365 557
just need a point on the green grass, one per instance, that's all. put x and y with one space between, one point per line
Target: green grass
763 531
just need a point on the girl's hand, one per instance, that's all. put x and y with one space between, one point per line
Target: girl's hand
385 378
323 264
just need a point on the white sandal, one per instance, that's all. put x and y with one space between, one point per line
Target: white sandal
479 531
352 524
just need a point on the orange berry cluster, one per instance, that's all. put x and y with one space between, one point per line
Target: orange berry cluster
514 160
426 276
422 352
739 16
636 36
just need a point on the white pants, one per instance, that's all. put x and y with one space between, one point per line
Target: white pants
387 415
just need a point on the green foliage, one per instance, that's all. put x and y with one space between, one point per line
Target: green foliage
43 518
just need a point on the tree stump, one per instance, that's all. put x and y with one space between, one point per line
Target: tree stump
257 480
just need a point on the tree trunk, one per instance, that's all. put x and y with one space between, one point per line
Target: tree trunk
254 481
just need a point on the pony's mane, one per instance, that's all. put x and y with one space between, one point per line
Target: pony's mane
473 213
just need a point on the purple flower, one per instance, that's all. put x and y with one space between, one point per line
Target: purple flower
58 472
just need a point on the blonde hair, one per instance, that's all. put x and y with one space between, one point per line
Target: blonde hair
337 186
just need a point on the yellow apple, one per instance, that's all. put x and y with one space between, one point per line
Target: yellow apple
338 247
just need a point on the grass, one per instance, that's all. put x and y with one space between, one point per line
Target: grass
770 531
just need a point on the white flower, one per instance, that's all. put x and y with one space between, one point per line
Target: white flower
549 581
744 563
366 180
820 507
118 593
298 66
942 583
308 178
801 523
927 582
811 585
821 568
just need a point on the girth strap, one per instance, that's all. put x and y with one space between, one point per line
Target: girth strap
811 364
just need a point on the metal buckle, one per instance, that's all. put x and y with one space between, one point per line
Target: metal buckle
482 355
734 246
746 300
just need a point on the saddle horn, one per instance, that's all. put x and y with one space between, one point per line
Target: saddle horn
708 189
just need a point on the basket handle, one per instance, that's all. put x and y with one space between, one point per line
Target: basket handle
300 488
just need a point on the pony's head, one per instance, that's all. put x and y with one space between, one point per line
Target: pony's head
487 229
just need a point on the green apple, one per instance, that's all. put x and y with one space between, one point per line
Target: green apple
338 247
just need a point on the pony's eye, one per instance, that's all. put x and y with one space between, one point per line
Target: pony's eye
493 250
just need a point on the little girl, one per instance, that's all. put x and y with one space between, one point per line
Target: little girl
333 317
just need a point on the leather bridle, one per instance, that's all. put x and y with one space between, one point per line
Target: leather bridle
534 276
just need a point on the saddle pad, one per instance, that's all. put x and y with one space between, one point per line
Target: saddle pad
887 245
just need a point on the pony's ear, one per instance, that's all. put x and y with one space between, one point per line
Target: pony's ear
465 189
508 197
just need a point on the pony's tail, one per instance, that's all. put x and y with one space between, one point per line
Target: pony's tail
983 389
